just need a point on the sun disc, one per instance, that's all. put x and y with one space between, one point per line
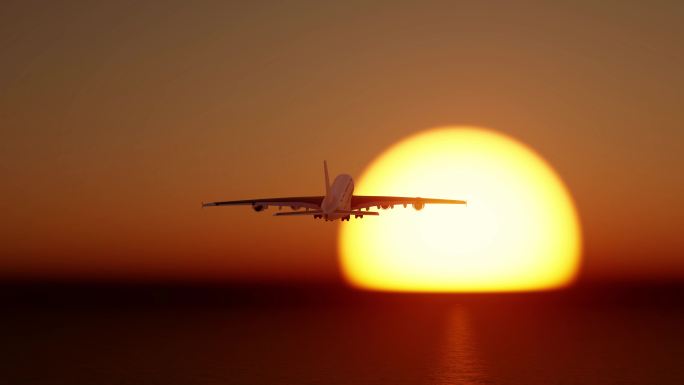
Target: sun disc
519 231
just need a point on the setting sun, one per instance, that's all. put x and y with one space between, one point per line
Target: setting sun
519 231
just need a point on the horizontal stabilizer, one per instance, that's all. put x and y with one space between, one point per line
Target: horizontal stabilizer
357 212
289 213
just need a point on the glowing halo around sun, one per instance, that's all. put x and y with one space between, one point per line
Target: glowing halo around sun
519 231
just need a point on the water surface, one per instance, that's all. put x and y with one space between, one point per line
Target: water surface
358 338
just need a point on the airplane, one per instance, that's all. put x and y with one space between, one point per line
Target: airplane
339 201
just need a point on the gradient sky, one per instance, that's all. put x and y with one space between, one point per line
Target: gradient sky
119 118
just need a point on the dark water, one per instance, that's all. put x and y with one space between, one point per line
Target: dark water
632 337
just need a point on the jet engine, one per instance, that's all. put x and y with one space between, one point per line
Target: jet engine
259 207
418 205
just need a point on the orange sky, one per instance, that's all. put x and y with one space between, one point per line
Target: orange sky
118 119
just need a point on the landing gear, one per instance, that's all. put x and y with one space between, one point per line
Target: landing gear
318 216
346 218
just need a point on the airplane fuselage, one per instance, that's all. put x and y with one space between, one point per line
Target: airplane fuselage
337 201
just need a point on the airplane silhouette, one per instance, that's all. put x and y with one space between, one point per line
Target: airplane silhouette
337 203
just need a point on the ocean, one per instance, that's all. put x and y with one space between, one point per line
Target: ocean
161 334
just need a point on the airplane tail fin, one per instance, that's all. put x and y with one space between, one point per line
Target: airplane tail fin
327 179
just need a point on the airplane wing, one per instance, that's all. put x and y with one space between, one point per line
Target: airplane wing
367 201
262 204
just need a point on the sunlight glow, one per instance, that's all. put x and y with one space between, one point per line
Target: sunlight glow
519 231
